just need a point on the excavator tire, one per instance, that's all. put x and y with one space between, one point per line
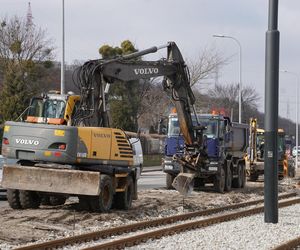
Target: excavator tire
103 201
219 183
169 181
123 200
13 198
29 199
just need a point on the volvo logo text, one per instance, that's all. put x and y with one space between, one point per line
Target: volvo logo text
146 71
27 142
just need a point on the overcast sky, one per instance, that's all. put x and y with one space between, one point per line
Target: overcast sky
190 23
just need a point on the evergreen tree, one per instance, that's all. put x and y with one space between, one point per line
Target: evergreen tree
125 96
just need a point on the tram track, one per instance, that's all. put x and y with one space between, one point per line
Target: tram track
158 233
289 245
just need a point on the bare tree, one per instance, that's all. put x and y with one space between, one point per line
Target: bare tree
205 66
21 43
25 53
226 97
154 105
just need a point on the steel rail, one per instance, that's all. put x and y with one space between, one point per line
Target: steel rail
157 234
289 245
104 233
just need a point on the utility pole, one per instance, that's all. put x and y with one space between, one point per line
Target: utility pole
62 67
271 115
240 72
29 17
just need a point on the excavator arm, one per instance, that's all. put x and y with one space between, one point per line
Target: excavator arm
95 76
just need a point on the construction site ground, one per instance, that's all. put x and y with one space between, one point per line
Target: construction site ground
19 227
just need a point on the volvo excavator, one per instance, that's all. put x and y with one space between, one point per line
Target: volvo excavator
65 145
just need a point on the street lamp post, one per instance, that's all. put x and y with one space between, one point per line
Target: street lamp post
297 101
62 67
240 72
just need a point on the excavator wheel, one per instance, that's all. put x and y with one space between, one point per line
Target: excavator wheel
13 198
219 182
123 200
29 199
103 201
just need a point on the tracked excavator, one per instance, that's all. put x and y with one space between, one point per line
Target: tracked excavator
65 145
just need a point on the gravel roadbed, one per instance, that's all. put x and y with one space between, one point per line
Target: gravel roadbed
245 233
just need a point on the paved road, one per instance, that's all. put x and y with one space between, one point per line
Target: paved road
153 179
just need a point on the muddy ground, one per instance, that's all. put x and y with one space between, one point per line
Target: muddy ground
18 227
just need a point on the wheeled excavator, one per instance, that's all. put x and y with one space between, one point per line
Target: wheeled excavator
65 145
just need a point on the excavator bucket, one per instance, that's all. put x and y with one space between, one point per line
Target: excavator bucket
184 183
65 181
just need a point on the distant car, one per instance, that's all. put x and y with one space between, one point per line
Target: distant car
2 191
294 152
3 161
138 159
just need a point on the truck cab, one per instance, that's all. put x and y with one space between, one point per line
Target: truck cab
224 142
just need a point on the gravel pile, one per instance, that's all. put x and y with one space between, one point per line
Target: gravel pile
245 233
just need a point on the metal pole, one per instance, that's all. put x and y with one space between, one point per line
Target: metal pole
271 116
297 104
297 125
240 72
62 67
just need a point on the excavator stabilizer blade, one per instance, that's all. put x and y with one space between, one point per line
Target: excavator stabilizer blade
65 181
184 183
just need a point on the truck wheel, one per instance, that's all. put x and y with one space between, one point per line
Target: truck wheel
228 180
219 182
244 179
13 198
102 202
238 182
169 181
123 200
29 199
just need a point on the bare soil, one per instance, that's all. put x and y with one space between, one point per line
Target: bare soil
19 227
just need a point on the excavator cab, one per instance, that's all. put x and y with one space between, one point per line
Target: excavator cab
52 108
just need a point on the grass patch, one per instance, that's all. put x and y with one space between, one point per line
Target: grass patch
152 160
